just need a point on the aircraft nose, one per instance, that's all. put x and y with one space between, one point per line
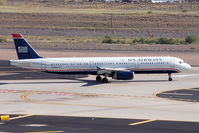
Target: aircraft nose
187 67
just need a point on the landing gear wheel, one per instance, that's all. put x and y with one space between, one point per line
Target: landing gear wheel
170 78
104 80
98 78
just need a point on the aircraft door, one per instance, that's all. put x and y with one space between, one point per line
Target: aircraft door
43 65
172 63
91 64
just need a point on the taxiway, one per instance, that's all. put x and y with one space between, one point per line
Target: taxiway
147 97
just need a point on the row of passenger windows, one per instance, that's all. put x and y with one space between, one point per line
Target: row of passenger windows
110 63
154 62
69 64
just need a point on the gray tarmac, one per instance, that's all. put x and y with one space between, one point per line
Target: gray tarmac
8 72
159 105
59 124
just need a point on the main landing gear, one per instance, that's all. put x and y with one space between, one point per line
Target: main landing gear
170 78
100 79
105 80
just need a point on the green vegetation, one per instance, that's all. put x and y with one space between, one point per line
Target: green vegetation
110 40
162 40
149 12
191 39
184 10
144 41
3 40
165 40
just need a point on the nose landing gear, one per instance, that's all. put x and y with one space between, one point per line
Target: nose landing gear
170 78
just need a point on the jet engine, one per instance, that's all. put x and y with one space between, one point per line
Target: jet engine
123 75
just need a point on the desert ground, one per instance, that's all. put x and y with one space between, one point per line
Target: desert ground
67 22
65 28
72 29
189 57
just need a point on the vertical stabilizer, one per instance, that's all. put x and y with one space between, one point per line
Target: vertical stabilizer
23 48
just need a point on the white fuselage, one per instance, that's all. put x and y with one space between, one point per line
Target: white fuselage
91 64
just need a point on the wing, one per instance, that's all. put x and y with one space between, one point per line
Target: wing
110 70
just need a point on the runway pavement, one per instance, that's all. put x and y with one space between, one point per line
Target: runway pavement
166 106
8 72
189 94
59 124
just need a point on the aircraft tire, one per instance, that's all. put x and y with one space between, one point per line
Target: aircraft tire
98 78
104 80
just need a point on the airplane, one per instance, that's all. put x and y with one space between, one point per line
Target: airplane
119 68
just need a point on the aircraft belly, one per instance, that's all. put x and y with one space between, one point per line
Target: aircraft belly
154 71
73 72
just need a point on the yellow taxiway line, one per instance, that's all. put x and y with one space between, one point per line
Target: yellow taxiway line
19 117
194 89
176 94
25 97
47 132
142 122
4 117
44 102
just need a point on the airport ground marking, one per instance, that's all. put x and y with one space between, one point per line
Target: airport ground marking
4 117
18 71
156 93
20 117
178 99
194 89
176 94
142 122
188 75
44 102
47 132
27 93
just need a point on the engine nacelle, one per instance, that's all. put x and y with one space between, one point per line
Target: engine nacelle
123 75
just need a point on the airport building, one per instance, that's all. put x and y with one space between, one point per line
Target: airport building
155 1
146 1
168 1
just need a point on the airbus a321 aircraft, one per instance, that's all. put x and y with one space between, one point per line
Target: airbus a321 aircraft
120 68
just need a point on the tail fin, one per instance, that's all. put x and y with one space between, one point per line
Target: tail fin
23 48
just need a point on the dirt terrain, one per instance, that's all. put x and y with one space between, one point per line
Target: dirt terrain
64 18
68 25
121 25
189 57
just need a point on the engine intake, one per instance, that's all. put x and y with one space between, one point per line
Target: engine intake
123 75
